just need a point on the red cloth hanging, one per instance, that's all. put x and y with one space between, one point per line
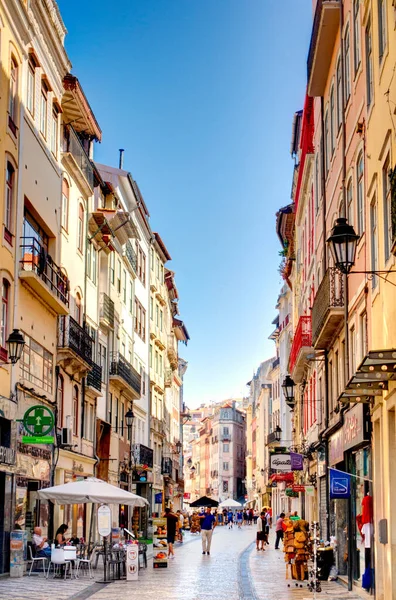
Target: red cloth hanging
367 510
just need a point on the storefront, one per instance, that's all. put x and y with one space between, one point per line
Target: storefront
338 517
7 468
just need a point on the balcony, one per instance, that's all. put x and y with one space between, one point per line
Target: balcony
328 309
324 32
172 352
301 346
77 160
168 377
276 363
271 438
74 347
94 380
225 437
124 377
38 270
143 455
106 311
131 257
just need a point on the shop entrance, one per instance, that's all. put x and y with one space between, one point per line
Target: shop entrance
5 521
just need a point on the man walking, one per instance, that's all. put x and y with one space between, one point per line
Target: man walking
208 523
279 530
260 534
171 525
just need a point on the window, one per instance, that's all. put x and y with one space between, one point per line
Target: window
156 315
151 356
103 361
151 308
75 410
339 93
381 28
152 258
356 35
317 181
347 66
13 97
124 287
140 320
78 310
360 193
363 335
161 319
141 264
226 447
332 121
112 267
130 297
386 191
162 274
143 381
36 364
226 430
9 201
369 65
91 262
156 361
157 264
5 297
161 365
352 352
80 228
327 142
119 276
65 205
225 466
54 131
374 240
349 196
225 486
60 400
43 109
94 264
30 87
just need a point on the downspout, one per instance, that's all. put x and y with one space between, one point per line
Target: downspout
84 318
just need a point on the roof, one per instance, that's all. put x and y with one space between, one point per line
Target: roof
77 109
162 246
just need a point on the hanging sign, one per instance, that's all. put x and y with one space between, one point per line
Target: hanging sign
280 462
340 485
38 420
158 498
104 520
296 461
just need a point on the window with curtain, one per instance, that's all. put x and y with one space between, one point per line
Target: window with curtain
43 109
75 409
360 193
13 91
5 297
65 204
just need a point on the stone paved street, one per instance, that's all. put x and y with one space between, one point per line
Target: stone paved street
233 571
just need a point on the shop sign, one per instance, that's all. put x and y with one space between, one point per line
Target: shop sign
158 498
33 469
34 451
38 439
296 461
7 456
309 490
298 488
186 495
104 520
280 462
354 427
340 484
336 447
38 420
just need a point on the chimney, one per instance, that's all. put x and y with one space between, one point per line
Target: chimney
121 161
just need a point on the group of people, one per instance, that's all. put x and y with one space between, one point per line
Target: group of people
41 545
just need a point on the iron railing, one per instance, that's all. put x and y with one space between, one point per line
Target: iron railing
276 362
106 309
120 367
330 295
94 377
72 335
225 437
315 34
35 258
131 255
302 337
271 437
143 455
73 145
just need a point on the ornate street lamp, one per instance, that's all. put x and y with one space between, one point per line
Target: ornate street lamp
288 386
129 417
343 241
178 447
15 344
278 433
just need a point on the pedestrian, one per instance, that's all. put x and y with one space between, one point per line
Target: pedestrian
208 523
180 526
250 516
171 525
239 519
260 533
230 519
220 519
256 516
279 530
245 517
294 516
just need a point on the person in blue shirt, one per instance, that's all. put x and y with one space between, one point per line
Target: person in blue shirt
239 519
208 523
230 519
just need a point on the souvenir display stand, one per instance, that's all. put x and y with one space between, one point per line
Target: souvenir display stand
297 549
160 545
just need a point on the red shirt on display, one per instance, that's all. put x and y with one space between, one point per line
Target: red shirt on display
367 510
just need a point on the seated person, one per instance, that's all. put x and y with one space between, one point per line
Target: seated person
41 544
60 539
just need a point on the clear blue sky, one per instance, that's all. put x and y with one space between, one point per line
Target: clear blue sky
201 94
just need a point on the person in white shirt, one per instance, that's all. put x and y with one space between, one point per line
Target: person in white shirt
41 544
261 535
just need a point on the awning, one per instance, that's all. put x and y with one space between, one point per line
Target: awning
77 110
287 477
123 227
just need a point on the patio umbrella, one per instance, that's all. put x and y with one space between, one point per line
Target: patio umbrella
230 503
90 490
204 501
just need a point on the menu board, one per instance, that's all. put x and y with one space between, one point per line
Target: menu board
132 565
160 545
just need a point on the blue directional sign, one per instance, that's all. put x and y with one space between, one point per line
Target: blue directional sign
340 485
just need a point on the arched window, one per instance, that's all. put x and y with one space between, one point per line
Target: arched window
13 97
75 410
360 193
5 297
9 201
65 204
349 196
78 313
61 391
80 230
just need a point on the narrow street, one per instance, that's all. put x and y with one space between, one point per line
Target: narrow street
233 571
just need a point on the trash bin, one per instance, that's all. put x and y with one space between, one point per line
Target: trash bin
18 548
325 562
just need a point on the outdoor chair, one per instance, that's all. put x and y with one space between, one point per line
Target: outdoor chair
85 563
58 560
36 559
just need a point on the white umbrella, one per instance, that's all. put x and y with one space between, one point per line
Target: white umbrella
90 490
230 503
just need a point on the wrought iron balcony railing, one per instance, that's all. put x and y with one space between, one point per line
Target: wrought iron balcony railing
302 338
106 310
131 255
120 367
73 145
94 377
35 258
71 335
329 298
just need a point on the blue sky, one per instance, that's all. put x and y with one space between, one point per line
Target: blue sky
201 94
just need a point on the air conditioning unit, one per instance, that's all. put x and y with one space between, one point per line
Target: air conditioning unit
67 432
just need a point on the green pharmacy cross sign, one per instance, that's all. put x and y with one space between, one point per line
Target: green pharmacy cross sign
38 421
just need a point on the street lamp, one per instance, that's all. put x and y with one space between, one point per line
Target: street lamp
288 386
278 433
129 417
178 446
343 241
15 344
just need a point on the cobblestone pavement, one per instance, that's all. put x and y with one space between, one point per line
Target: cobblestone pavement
233 571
